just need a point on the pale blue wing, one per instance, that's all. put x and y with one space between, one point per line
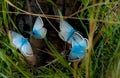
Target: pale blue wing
38 30
77 38
65 26
76 53
85 43
43 32
40 33
16 39
79 47
26 49
38 24
66 31
21 43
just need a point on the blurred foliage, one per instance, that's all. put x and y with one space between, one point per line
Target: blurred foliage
104 62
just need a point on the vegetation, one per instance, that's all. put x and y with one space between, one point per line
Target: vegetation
101 22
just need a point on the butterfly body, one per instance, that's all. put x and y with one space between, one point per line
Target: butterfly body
70 35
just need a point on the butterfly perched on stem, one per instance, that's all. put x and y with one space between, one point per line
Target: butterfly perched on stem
79 44
23 45
38 30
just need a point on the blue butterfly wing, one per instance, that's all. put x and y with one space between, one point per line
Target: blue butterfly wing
26 49
77 37
38 30
38 24
17 39
76 53
79 45
66 31
43 32
21 43
83 42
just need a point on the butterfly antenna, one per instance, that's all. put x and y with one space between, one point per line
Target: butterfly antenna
46 17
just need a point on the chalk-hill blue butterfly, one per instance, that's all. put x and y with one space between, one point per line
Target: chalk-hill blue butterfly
79 47
70 35
21 43
38 30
